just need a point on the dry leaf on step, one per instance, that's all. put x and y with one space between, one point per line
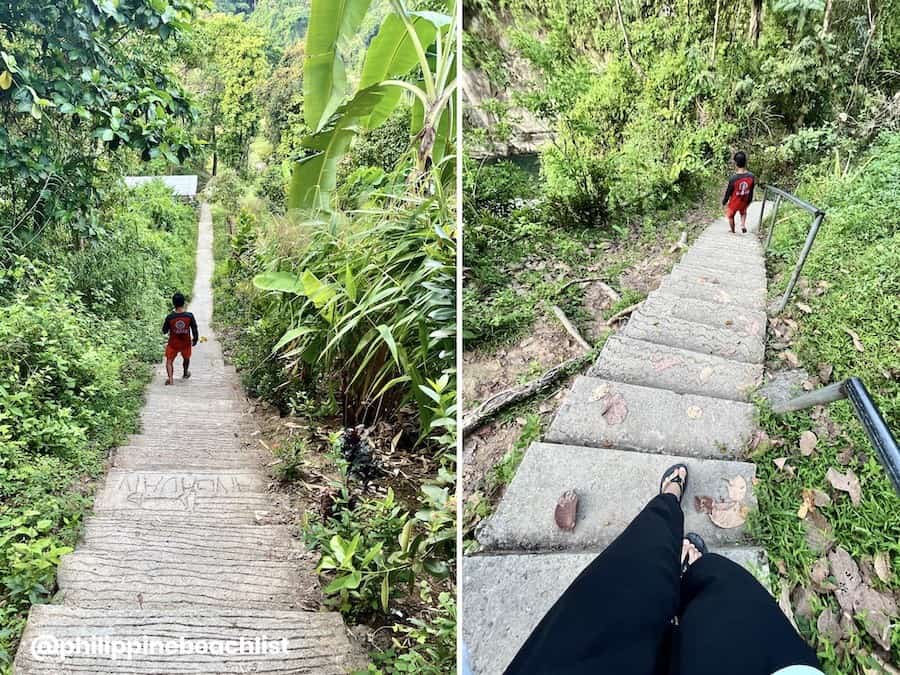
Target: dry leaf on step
615 410
857 343
599 392
728 515
737 489
703 504
846 482
694 412
566 511
882 564
705 374
808 442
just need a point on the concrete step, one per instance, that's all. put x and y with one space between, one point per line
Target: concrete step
612 487
715 258
135 539
685 372
192 404
188 458
657 421
733 317
88 579
506 596
665 329
205 492
740 277
750 298
705 277
190 438
317 642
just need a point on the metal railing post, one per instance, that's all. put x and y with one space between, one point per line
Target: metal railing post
875 427
771 229
762 209
810 238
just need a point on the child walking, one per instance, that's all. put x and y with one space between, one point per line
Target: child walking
181 327
739 192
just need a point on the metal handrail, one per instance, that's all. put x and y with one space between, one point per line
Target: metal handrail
818 216
867 413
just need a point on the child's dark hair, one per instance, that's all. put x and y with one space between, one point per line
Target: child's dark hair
178 300
740 159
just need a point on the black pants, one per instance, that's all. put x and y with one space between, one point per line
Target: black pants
616 617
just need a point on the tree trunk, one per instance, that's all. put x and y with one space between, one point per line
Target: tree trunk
826 20
756 20
715 32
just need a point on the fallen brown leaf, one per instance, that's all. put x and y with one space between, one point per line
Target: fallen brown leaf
825 371
737 489
819 575
818 532
782 465
808 441
857 343
566 511
882 563
694 412
616 411
784 602
829 627
806 505
791 358
728 515
703 504
846 482
821 498
803 307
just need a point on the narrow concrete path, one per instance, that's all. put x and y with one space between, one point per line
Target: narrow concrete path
173 550
673 386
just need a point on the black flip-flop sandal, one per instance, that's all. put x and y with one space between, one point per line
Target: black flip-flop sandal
675 479
697 541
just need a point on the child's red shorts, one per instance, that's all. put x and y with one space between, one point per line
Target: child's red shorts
736 207
174 349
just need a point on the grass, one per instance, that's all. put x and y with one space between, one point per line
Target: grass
517 258
853 283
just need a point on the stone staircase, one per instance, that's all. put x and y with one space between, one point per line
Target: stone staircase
684 367
173 550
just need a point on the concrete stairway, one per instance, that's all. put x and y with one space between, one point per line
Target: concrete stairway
173 550
683 369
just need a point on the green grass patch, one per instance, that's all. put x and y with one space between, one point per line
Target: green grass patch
853 283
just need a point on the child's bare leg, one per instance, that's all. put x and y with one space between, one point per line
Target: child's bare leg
170 368
744 222
731 222
187 364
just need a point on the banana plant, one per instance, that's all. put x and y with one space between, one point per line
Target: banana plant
413 51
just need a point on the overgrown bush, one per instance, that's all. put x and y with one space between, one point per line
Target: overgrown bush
78 329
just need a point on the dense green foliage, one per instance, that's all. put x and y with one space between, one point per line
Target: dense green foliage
342 286
68 390
79 81
855 284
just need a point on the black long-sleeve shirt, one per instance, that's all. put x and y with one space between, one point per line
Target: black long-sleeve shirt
181 327
741 186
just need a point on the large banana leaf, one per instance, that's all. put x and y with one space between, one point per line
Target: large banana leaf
314 177
324 75
392 55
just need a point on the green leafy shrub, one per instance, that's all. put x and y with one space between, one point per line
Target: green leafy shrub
70 390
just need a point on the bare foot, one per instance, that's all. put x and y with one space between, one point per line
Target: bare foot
566 510
169 381
187 374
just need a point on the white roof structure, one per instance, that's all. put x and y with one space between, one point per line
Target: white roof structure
183 186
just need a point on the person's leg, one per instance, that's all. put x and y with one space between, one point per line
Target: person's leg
187 365
616 616
729 213
170 369
744 220
730 623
